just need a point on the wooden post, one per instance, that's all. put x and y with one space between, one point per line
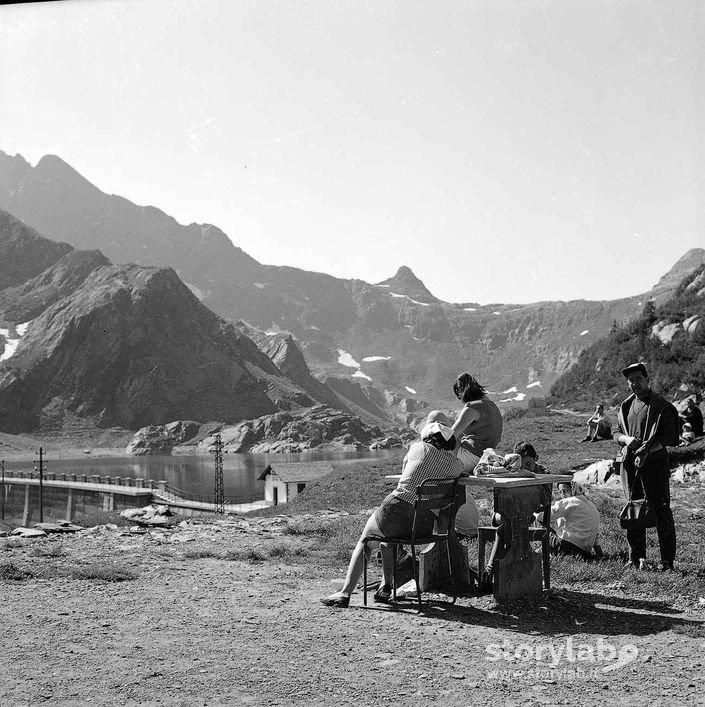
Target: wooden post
69 506
27 513
41 485
518 573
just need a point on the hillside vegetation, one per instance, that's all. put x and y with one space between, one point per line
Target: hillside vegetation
668 338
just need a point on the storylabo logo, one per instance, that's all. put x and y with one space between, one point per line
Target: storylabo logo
602 656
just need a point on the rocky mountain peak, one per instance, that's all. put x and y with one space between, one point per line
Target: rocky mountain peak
406 283
684 265
55 170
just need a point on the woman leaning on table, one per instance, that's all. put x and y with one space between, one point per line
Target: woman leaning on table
479 422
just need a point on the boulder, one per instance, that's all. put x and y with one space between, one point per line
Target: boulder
598 473
161 439
391 442
61 526
689 473
28 533
160 515
319 427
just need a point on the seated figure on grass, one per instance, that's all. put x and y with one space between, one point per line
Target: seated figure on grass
692 416
687 435
599 426
430 458
575 524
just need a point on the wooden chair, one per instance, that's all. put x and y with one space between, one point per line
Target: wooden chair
438 496
488 533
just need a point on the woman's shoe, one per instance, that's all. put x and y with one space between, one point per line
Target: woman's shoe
383 594
341 602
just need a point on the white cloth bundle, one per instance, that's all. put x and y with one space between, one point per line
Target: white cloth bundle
493 463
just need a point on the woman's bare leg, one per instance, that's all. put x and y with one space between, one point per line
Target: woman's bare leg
355 566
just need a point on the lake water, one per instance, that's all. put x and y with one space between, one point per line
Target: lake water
195 473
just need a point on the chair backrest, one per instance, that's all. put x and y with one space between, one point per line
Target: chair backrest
438 496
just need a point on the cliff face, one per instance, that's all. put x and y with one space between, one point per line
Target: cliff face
131 347
23 252
29 299
395 335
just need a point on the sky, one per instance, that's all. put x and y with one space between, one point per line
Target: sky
507 151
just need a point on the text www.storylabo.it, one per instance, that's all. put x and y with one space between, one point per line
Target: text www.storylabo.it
564 660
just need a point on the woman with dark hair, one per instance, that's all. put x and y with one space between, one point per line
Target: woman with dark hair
477 427
479 423
430 458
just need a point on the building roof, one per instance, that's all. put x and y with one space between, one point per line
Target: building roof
297 472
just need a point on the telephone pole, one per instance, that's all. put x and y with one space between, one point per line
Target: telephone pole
41 484
219 489
2 492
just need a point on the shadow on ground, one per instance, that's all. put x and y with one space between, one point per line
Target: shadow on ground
563 612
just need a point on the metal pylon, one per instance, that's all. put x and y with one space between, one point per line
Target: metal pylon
219 489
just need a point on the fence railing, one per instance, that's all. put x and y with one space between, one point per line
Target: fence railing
166 489
163 488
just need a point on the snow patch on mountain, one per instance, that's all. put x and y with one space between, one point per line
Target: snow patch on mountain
423 304
369 359
275 329
345 359
513 389
11 344
201 294
360 374
582 333
517 398
411 390
535 384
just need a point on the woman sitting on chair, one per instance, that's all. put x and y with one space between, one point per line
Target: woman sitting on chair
431 458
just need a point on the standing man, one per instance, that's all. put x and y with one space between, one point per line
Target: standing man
646 424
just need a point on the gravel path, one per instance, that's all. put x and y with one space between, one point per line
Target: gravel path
204 625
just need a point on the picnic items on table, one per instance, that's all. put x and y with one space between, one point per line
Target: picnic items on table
494 464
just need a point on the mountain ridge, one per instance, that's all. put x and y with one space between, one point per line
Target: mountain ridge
130 346
399 340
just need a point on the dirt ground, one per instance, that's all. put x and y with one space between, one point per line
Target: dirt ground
227 613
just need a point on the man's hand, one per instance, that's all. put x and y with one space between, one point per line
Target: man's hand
631 442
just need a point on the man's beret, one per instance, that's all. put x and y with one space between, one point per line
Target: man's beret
635 368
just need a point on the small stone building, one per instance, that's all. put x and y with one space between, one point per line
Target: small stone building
283 482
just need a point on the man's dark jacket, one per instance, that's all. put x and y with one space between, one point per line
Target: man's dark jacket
661 429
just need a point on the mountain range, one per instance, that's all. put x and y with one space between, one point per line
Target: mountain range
90 344
383 352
